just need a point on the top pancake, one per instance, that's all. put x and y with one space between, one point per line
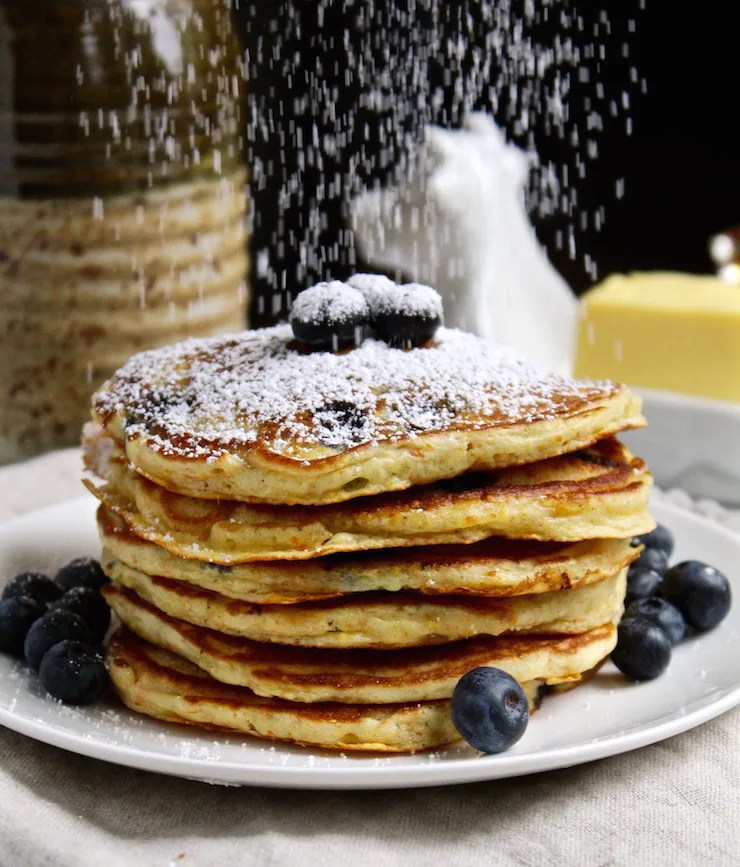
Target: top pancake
253 417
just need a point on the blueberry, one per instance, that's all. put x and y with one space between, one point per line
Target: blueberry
17 616
660 613
660 538
375 288
153 404
82 572
53 627
33 585
652 558
329 316
642 583
700 592
73 672
489 709
643 649
410 316
341 423
90 606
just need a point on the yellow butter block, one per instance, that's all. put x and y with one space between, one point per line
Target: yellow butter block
676 332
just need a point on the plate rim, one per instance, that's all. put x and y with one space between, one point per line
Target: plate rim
379 776
677 400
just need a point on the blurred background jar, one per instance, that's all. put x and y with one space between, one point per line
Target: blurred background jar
122 196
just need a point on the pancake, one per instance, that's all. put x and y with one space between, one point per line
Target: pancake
160 684
380 620
359 676
254 418
494 567
599 492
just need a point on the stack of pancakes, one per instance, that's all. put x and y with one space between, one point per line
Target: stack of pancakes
315 546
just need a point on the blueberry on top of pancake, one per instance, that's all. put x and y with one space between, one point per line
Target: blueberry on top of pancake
329 316
409 316
374 288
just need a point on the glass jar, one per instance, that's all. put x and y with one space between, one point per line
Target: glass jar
122 196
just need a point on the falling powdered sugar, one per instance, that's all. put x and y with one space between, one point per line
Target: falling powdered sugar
203 398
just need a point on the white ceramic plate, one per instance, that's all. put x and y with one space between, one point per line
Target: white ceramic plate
604 717
690 443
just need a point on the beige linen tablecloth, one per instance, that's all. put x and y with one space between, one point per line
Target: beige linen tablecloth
676 803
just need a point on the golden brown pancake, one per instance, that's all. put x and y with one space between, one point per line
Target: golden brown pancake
380 619
255 418
359 676
160 684
495 567
599 492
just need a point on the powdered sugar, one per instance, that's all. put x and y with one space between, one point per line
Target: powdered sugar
204 397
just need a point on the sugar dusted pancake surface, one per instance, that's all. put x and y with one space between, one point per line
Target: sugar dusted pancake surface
359 676
161 684
496 567
599 492
251 417
379 620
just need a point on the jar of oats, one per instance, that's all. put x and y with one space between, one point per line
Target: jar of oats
122 197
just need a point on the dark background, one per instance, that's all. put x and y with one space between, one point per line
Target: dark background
679 165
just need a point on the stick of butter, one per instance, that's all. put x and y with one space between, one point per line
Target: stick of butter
676 332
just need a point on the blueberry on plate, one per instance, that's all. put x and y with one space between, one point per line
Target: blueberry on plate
660 538
700 592
489 709
662 614
17 616
643 649
90 606
73 672
652 558
33 585
409 316
329 316
53 627
642 583
81 572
